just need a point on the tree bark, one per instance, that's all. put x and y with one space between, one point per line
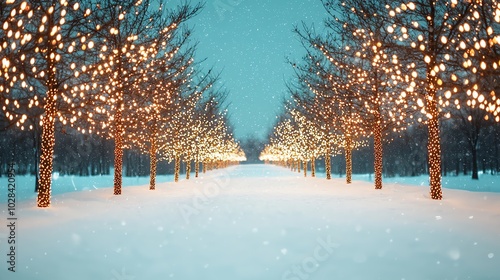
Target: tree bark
48 131
313 167
434 147
153 159
328 165
118 161
177 168
188 169
348 160
378 152
434 138
48 142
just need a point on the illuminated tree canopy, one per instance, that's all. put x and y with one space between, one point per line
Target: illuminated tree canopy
124 70
382 66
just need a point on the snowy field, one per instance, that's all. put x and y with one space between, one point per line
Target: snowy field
486 182
254 222
70 183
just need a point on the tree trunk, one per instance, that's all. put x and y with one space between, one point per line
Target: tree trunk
48 134
188 169
313 167
48 142
378 152
118 161
196 168
328 165
434 147
305 168
177 168
434 138
348 160
153 159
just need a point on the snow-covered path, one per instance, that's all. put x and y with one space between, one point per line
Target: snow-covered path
258 222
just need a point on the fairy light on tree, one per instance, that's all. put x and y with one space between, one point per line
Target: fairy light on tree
120 49
323 107
340 80
472 94
187 136
204 118
281 147
391 70
310 139
379 77
307 114
146 127
166 76
40 43
297 137
375 69
127 74
171 140
317 95
124 64
205 124
428 27
478 45
200 144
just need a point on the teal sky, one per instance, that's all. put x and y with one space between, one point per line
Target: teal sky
249 41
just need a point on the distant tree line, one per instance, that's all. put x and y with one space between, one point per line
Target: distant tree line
75 154
89 155
406 155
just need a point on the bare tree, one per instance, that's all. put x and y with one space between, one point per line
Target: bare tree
424 28
136 36
44 38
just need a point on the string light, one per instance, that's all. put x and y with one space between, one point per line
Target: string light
122 85
39 38
440 20
477 44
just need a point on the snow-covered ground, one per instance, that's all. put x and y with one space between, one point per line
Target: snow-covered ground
486 182
70 183
256 222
